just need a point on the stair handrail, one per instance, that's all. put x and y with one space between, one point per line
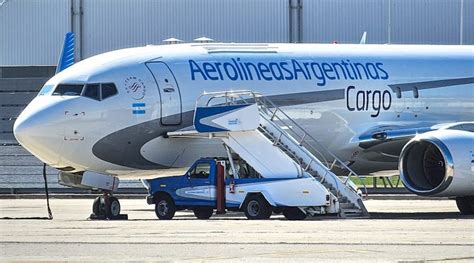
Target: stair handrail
295 157
240 95
309 154
264 101
260 97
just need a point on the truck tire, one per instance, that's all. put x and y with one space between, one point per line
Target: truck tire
293 213
164 207
203 213
256 207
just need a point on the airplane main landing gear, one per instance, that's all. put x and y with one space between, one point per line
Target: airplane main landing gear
465 205
107 207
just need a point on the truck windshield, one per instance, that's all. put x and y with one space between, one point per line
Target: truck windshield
201 170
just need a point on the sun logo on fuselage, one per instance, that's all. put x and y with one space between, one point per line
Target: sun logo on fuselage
135 88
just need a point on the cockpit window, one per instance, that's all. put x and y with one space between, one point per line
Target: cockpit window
68 90
92 91
108 90
45 90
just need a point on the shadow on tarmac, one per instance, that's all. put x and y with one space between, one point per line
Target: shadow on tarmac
420 215
187 215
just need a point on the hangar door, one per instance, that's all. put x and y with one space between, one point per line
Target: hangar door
169 93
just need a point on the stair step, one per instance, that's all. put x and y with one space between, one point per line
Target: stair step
345 206
356 216
352 211
278 135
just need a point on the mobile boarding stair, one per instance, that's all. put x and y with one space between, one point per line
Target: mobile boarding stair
245 120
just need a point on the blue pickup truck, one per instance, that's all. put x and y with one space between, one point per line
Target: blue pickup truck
210 184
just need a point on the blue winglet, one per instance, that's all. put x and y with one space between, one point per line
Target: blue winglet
67 54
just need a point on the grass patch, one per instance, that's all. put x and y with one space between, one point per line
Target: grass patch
378 181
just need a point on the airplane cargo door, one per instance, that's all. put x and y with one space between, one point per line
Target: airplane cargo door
169 92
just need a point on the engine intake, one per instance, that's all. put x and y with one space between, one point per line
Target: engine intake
441 163
426 166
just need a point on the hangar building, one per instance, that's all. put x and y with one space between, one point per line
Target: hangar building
32 32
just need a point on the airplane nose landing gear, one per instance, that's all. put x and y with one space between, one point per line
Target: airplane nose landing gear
107 207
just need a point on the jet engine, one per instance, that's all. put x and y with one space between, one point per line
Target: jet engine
439 163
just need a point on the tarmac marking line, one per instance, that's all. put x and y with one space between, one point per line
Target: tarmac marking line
237 243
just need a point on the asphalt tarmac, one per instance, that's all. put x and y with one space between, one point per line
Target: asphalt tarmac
399 230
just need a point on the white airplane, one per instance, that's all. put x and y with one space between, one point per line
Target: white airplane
376 107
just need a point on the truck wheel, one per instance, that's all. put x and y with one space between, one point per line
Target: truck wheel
203 213
293 213
465 205
257 207
164 207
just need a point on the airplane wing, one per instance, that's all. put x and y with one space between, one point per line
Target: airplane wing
384 143
431 84
388 141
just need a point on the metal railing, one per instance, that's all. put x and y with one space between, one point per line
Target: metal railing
293 156
274 113
302 138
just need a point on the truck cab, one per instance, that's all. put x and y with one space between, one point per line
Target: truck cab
192 188
195 190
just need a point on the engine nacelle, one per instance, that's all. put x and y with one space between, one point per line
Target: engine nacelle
439 163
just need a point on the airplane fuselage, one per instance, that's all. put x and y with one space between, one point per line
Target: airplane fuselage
344 95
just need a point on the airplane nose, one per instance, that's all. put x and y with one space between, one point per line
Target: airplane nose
36 131
21 132
26 132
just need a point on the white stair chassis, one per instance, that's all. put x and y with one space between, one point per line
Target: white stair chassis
275 145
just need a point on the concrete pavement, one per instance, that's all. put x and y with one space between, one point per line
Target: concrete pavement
399 230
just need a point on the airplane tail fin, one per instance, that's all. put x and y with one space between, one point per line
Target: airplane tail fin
363 38
66 59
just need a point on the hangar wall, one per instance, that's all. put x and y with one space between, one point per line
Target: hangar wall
32 30
389 21
226 21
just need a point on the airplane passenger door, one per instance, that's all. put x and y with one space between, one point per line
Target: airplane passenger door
171 108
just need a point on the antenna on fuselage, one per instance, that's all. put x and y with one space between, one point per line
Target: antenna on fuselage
203 40
172 40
